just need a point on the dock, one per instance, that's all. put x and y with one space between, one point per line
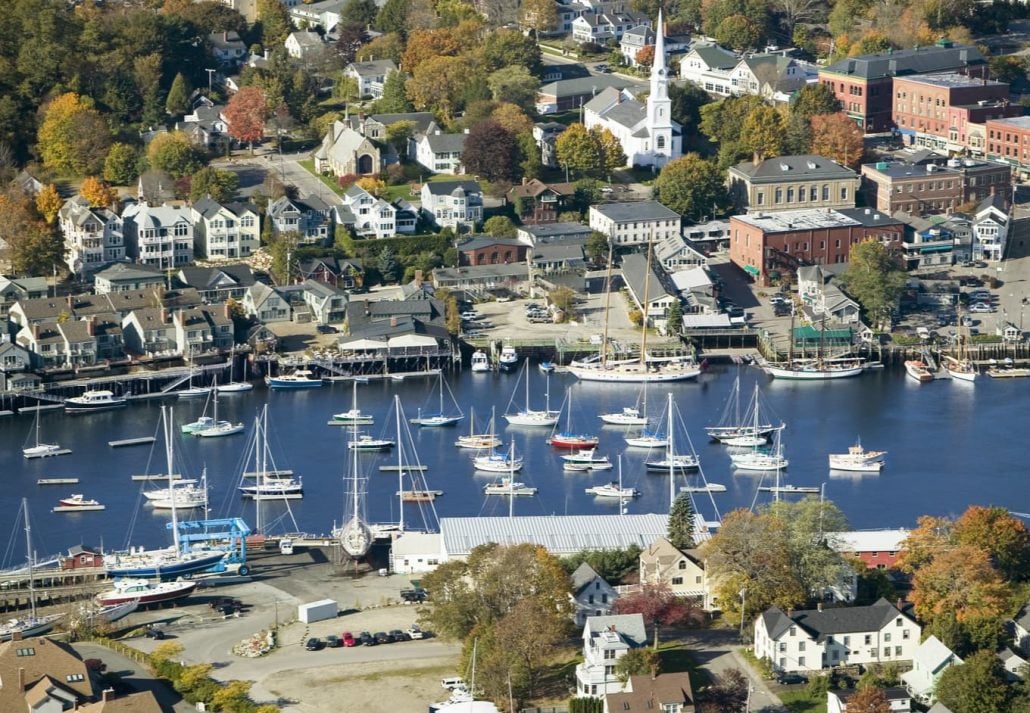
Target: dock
419 496
270 474
709 488
148 478
403 468
48 454
48 407
57 481
78 508
145 440
788 489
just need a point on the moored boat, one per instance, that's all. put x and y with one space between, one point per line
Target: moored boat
961 369
94 400
612 490
507 486
40 449
788 489
918 370
440 418
480 362
508 359
858 459
77 503
299 379
647 439
365 442
528 416
144 591
495 462
629 416
354 414
679 463
546 367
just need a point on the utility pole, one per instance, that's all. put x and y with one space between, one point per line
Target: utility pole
210 77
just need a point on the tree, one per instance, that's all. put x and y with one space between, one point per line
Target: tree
524 640
837 136
638 662
173 152
389 46
283 249
73 137
1001 535
645 56
350 38
659 607
869 700
500 226
514 85
722 122
576 149
220 186
394 99
177 102
491 152
875 278
510 48
596 247
375 186
121 167
275 22
738 32
612 565
728 694
687 101
681 515
359 12
931 536
33 247
436 84
48 202
762 133
609 149
98 193
814 99
538 16
976 686
794 11
563 299
963 582
245 113
392 17
691 186
388 266
514 119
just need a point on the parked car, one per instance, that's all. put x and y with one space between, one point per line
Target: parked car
348 640
980 308
414 632
414 595
333 641
603 69
367 639
225 601
383 638
452 682
313 644
152 632
790 679
399 635
980 264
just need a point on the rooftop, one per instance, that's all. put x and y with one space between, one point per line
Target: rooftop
940 57
583 85
1016 122
952 80
640 210
833 620
802 166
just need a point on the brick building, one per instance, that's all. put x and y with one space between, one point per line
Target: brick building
1008 140
936 110
792 183
486 250
770 245
863 84
934 186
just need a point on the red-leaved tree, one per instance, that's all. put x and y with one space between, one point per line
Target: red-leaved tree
659 607
246 113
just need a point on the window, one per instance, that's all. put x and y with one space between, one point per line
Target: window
801 660
779 195
29 651
660 141
793 631
782 646
835 654
886 650
897 622
609 654
760 197
790 195
868 639
682 564
887 636
826 193
904 634
801 646
74 677
843 193
897 651
677 580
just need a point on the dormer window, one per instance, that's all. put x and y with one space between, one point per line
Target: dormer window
812 165
784 167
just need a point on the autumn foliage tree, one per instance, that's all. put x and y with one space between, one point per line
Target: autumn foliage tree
869 699
692 186
595 152
762 133
98 193
246 113
48 203
645 56
492 152
33 246
838 137
659 607
73 137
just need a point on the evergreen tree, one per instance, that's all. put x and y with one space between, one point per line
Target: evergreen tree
681 522
178 101
674 318
394 99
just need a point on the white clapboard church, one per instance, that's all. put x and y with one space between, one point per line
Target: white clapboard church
648 135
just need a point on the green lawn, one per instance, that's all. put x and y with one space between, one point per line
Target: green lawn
309 166
801 702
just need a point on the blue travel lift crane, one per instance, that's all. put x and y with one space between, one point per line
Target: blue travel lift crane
229 534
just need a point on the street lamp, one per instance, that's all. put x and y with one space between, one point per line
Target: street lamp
210 76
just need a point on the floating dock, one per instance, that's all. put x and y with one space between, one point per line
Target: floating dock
419 496
145 440
78 508
147 478
788 489
47 407
710 488
403 468
57 481
48 454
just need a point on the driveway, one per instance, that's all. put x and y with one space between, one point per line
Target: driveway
715 650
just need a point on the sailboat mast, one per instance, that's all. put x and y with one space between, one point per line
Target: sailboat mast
511 479
670 454
622 500
166 415
30 560
645 304
400 463
607 300
258 469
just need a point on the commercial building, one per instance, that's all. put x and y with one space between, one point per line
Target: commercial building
634 223
1008 140
937 185
792 183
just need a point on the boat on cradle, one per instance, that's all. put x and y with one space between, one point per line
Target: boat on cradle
40 449
858 459
143 592
612 490
629 416
33 624
478 441
218 429
546 367
419 496
354 415
507 486
279 487
918 370
365 442
440 418
737 424
647 439
680 463
480 362
568 438
642 369
167 563
509 358
788 489
528 416
94 400
705 488
111 613
957 368
77 503
299 379
233 387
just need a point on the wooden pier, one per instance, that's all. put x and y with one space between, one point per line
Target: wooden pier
144 440
49 454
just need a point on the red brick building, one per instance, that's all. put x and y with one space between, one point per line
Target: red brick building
1008 140
770 245
938 110
486 250
864 84
878 549
538 202
933 186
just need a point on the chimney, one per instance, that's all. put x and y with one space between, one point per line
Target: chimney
71 302
35 335
107 695
900 604
164 315
266 54
21 670
91 326
790 613
393 321
227 310
418 278
465 130
225 36
819 606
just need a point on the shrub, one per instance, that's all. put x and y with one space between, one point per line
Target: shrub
347 180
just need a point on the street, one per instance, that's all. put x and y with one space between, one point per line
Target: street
135 676
715 650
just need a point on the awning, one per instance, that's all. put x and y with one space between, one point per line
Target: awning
752 270
412 340
363 344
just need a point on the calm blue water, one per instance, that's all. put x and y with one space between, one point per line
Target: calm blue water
949 445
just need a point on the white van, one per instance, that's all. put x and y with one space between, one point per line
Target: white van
286 546
453 682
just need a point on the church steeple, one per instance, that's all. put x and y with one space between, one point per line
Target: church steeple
659 108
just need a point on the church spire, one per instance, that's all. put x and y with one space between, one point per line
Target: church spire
658 65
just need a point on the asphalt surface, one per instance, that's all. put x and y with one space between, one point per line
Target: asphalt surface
135 676
715 650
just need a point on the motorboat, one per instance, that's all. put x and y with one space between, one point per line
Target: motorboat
77 503
612 490
858 459
678 463
528 416
183 499
299 379
480 362
353 415
40 449
647 439
143 592
918 370
198 425
588 457
508 359
218 429
507 486
365 442
94 400
546 367
629 416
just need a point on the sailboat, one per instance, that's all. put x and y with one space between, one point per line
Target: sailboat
32 625
960 367
508 485
761 459
494 462
478 440
193 392
354 415
268 487
355 535
233 387
818 369
567 438
672 462
735 425
528 416
613 490
439 418
643 368
218 429
170 562
42 450
630 415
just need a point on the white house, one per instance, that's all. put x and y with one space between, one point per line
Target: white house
450 203
634 223
223 232
371 216
591 594
929 661
682 571
822 297
897 698
328 304
310 217
1021 629
607 21
646 131
227 47
93 237
674 252
440 152
633 41
817 639
990 229
708 66
266 304
324 14
304 45
370 76
1014 665
771 76
158 235
606 639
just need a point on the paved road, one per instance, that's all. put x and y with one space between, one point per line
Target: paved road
135 676
252 171
716 652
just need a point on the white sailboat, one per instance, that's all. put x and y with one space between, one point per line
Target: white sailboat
218 429
233 387
760 459
440 418
354 415
672 462
355 535
960 367
33 624
191 497
478 441
267 487
40 449
743 429
528 416
508 485
193 392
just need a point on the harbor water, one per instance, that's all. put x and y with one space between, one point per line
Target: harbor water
950 444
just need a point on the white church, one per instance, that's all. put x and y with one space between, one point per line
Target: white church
648 135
